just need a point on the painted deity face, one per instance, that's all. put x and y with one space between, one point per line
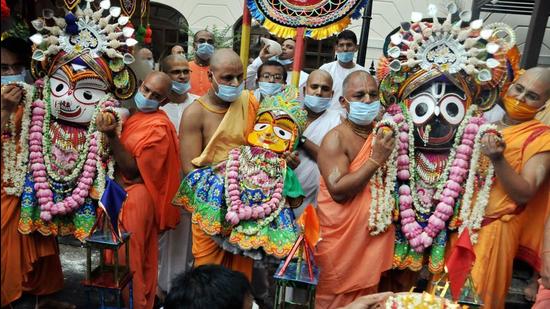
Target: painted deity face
273 130
75 92
436 110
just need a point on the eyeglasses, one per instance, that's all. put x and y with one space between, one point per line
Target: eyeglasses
276 77
12 68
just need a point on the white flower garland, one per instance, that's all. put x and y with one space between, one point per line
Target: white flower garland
15 164
103 172
472 217
382 201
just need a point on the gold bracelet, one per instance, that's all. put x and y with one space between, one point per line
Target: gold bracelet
375 162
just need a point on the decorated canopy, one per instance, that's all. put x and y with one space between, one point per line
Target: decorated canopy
321 18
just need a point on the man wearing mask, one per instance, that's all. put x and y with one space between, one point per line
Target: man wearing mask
175 246
177 67
286 58
519 198
211 126
30 263
271 79
146 55
148 166
203 43
346 47
317 97
348 159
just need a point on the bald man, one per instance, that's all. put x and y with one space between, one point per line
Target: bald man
203 43
350 258
146 55
519 200
211 126
147 160
177 50
318 93
175 246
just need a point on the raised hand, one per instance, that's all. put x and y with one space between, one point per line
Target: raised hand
11 97
383 146
265 54
106 123
492 146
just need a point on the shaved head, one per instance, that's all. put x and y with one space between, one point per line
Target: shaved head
356 75
156 86
224 57
533 87
319 83
169 61
320 74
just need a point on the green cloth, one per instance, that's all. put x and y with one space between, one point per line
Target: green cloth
292 187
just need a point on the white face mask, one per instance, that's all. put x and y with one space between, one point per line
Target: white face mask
150 63
316 104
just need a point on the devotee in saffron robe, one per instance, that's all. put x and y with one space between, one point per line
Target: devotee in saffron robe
147 159
30 263
211 126
518 202
203 44
350 259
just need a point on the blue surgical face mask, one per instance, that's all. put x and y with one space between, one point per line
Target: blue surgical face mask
281 61
145 105
363 113
228 93
205 50
6 79
269 89
345 57
180 88
316 104
150 63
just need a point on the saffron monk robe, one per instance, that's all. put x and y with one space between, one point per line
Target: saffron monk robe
148 164
350 259
519 199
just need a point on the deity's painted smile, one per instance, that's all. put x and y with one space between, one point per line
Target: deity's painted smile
273 131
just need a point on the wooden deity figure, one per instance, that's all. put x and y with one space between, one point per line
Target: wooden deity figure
80 63
437 77
243 203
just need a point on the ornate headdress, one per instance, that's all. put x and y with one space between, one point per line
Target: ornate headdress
287 101
102 43
469 54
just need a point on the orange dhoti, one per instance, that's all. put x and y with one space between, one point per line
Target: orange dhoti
351 261
502 235
152 141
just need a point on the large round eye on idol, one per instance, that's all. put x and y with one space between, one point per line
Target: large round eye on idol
260 126
88 95
452 109
422 108
58 87
282 133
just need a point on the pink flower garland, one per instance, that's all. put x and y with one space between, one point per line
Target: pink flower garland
43 191
421 238
238 211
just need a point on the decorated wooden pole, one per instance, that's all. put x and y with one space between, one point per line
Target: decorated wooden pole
298 56
245 36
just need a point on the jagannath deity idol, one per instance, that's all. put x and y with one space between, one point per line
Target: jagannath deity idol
80 63
437 77
243 202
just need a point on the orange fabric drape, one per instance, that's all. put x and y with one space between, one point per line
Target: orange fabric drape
501 240
349 257
199 79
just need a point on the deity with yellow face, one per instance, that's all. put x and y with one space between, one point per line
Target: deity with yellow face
243 202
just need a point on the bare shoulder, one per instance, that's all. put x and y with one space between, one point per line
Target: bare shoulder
193 113
332 142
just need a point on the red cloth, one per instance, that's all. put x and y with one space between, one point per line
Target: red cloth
460 263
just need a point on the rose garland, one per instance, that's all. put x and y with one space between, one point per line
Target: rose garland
91 165
452 181
237 210
15 164
381 208
472 217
